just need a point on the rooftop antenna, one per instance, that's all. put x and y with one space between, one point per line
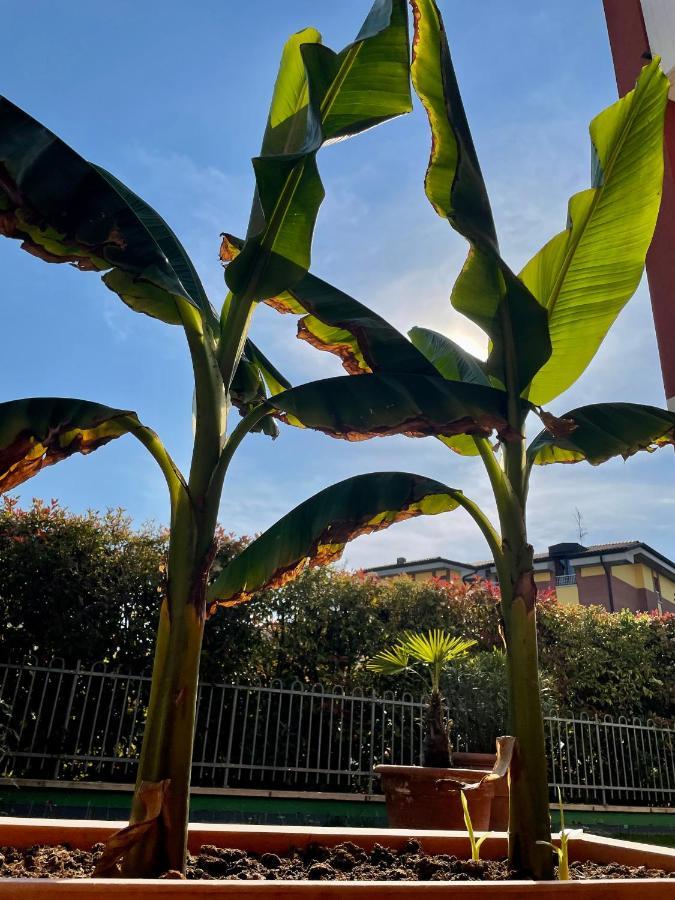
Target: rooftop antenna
582 532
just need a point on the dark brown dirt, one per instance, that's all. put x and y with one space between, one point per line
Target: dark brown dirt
346 862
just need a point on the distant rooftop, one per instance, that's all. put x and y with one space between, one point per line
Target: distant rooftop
566 550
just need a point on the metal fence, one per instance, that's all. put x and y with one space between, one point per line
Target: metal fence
606 760
86 724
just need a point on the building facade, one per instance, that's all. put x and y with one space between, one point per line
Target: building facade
629 575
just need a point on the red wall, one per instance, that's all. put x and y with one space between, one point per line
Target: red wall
593 590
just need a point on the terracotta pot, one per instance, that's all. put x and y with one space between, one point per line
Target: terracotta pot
499 814
261 839
415 799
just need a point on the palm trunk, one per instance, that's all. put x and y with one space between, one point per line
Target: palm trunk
436 748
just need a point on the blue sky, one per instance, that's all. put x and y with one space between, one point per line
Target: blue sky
174 103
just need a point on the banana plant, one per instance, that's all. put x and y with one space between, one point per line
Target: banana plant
476 843
64 209
432 652
544 325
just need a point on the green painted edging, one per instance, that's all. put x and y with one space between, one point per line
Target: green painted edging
633 821
67 803
643 827
203 807
122 801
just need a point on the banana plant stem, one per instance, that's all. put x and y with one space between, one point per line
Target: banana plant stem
529 819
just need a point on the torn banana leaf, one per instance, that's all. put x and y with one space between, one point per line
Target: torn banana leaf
41 431
364 341
65 209
597 432
319 95
332 320
376 405
316 531
586 274
487 291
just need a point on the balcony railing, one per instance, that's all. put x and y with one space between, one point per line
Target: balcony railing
562 580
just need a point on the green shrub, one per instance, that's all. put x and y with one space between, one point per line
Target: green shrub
617 663
86 586
81 586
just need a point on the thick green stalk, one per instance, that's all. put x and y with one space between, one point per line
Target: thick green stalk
529 817
166 755
169 729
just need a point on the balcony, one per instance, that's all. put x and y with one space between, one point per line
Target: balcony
564 580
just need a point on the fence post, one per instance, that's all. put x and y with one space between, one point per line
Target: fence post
69 706
372 743
601 764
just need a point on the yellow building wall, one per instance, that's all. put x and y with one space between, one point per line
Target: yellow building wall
567 594
667 589
591 570
426 576
636 575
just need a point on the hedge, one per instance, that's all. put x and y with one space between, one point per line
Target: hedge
87 587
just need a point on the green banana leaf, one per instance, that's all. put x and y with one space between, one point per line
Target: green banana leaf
274 380
254 380
601 431
377 405
65 209
316 531
364 341
367 343
368 82
334 321
585 275
318 96
452 361
455 364
170 246
487 291
41 431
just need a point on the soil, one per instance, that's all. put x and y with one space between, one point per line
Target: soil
345 862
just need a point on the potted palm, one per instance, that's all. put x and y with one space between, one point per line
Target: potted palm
428 796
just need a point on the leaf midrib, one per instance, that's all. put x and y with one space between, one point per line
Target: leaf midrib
599 193
293 180
282 205
342 73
